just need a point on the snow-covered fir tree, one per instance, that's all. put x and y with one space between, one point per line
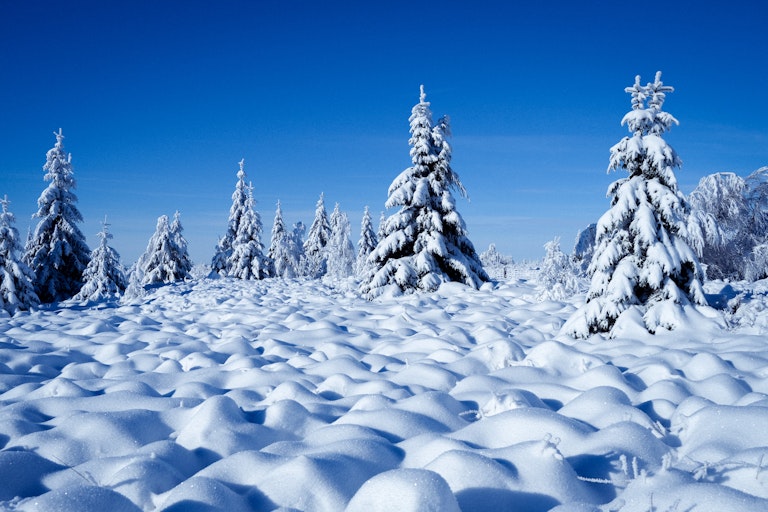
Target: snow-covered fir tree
17 290
57 252
340 251
315 260
104 277
248 260
180 244
557 279
282 250
642 260
425 243
366 244
164 261
221 262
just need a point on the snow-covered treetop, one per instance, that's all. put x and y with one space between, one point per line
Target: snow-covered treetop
104 235
241 172
646 116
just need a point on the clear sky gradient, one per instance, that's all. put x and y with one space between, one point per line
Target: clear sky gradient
159 100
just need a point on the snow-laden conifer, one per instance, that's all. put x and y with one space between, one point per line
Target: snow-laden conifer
17 290
340 251
248 260
642 258
180 244
164 261
366 244
104 277
425 243
221 262
557 279
57 252
315 256
282 251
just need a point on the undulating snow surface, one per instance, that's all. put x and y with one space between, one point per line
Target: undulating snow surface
231 395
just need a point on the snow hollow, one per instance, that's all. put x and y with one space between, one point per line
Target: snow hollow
236 395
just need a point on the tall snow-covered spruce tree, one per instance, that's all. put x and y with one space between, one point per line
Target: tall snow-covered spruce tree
425 243
315 255
104 276
282 253
248 260
17 290
57 252
643 265
366 244
221 262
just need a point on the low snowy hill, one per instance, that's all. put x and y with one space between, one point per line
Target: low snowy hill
236 395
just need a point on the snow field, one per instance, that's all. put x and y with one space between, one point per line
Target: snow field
236 395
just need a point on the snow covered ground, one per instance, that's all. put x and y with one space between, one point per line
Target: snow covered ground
232 395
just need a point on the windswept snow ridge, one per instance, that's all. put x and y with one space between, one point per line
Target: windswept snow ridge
255 395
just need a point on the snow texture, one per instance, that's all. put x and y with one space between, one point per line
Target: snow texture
237 395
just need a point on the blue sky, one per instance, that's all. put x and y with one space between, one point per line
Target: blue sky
158 102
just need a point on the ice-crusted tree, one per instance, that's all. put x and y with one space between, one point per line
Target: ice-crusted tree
315 257
642 260
557 279
340 251
162 261
425 243
366 244
495 263
17 291
732 213
282 251
584 249
104 276
248 260
57 252
221 262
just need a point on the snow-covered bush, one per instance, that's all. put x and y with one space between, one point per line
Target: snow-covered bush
425 243
642 259
104 277
57 252
556 277
17 290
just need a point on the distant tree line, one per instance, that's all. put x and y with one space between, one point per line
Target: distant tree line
646 257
